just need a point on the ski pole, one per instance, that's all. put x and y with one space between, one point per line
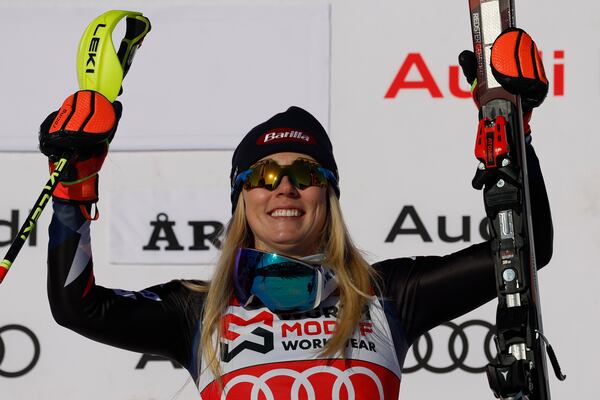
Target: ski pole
99 68
38 207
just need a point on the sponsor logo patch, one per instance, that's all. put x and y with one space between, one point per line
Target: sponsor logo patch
304 380
281 135
259 339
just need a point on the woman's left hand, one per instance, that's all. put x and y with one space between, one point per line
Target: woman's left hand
517 66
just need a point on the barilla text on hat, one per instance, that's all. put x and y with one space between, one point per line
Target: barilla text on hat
285 135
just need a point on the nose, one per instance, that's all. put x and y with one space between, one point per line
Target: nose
286 188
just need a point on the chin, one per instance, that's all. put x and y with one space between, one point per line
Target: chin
293 248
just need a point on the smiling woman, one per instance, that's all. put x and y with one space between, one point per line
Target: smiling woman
293 309
285 188
285 200
287 219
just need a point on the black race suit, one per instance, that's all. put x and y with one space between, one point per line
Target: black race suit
273 356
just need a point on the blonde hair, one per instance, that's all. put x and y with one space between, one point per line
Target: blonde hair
355 277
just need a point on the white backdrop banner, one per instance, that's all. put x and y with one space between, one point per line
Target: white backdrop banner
169 216
205 72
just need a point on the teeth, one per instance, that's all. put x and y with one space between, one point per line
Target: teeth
285 213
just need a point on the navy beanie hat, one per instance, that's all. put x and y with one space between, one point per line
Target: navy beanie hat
294 130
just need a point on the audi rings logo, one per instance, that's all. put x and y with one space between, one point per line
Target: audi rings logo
308 379
30 337
342 378
459 344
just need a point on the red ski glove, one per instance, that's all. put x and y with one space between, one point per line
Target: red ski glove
82 129
517 66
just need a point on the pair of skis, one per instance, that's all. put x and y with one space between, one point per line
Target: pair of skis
519 370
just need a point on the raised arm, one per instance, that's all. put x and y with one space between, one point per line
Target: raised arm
427 291
160 320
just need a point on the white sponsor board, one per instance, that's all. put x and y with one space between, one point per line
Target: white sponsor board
206 72
161 215
419 145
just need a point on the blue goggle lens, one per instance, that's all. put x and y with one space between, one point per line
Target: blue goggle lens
283 284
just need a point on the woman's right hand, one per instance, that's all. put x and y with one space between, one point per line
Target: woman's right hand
81 130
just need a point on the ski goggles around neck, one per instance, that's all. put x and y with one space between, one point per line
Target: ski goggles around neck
268 174
282 284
